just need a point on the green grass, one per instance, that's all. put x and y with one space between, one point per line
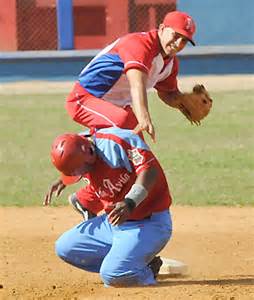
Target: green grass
208 165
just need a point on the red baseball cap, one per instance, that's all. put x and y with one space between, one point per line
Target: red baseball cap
181 23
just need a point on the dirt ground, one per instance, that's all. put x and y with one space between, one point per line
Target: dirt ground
216 242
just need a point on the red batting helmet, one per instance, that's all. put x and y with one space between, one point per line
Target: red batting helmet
71 152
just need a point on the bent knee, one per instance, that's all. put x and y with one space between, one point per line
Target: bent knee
70 253
71 108
62 249
118 279
65 245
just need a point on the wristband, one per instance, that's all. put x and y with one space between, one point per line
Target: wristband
137 193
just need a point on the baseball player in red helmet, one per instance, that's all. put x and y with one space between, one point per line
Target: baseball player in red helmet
128 190
115 82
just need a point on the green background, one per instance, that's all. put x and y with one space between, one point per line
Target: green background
212 164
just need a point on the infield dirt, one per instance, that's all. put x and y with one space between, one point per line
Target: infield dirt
216 242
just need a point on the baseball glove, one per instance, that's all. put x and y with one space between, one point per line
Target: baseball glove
196 105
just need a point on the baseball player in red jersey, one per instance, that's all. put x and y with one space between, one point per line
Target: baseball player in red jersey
126 184
115 82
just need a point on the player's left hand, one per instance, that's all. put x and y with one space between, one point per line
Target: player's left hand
195 106
120 213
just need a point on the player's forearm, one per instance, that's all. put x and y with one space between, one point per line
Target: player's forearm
171 99
140 106
140 189
147 178
137 80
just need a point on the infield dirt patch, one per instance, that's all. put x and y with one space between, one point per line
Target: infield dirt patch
216 242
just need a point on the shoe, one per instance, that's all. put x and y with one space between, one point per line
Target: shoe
155 265
74 202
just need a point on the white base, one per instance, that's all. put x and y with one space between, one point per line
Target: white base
172 267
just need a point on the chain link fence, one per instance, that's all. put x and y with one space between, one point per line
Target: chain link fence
145 15
36 21
36 25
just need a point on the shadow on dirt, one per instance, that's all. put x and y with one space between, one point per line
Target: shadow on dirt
238 280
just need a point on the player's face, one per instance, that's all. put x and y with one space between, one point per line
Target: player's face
171 42
85 168
86 162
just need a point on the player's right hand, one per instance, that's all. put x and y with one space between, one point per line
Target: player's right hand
118 213
57 187
146 126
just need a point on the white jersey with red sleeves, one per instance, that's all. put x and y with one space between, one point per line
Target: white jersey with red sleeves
105 76
121 156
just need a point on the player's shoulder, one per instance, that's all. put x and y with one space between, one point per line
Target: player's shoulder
124 137
140 40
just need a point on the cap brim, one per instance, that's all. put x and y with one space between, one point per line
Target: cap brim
182 32
67 180
192 42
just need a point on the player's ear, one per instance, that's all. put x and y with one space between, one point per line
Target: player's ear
161 27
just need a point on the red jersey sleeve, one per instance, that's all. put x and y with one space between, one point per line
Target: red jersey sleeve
137 50
169 84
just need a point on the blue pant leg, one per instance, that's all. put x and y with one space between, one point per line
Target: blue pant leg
134 245
86 245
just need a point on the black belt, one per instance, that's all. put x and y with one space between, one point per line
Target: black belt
145 218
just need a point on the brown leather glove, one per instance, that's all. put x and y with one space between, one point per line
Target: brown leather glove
196 105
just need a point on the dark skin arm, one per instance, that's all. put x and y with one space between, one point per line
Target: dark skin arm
56 188
121 212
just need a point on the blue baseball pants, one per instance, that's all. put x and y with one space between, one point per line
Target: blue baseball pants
120 254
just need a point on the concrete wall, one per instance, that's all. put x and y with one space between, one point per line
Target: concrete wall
221 22
66 65
229 23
